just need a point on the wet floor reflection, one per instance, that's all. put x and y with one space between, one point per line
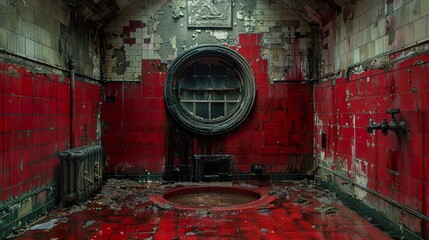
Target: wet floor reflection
123 210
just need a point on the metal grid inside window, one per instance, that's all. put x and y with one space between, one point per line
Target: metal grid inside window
210 90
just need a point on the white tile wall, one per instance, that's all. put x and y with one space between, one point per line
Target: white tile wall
32 28
408 23
421 29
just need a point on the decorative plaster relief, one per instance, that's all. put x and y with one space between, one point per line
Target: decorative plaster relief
213 14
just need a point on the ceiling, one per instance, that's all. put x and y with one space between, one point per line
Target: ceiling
319 11
313 11
98 11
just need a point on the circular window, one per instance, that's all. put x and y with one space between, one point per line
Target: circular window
210 89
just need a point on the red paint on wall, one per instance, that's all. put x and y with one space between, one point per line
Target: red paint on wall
129 41
278 133
135 123
35 126
132 27
87 110
394 165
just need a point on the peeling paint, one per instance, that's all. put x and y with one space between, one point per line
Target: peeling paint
95 65
172 42
286 55
240 15
121 65
247 16
218 34
359 173
318 123
178 6
362 179
347 94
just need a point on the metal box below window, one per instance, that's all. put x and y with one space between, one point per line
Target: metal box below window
209 168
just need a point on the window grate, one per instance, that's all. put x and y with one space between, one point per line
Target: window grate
209 90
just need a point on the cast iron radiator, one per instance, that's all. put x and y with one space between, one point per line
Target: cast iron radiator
81 173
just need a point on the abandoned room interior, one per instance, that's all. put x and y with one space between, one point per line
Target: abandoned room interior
214 119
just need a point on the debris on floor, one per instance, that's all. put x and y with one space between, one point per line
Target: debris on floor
301 200
203 213
264 211
46 225
88 223
160 207
123 210
327 210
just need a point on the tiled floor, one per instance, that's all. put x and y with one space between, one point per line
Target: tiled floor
123 210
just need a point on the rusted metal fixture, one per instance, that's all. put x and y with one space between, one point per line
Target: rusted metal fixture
384 126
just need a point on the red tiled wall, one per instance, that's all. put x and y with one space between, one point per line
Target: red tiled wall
277 133
134 125
87 111
395 166
35 126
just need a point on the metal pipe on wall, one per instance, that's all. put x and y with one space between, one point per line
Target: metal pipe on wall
72 65
396 204
88 77
425 230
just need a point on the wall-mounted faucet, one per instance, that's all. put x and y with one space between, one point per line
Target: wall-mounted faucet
384 126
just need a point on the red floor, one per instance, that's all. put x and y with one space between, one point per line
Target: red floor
123 211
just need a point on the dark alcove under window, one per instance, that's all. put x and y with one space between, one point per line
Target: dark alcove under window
210 89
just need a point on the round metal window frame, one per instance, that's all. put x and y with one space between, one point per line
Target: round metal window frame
224 124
